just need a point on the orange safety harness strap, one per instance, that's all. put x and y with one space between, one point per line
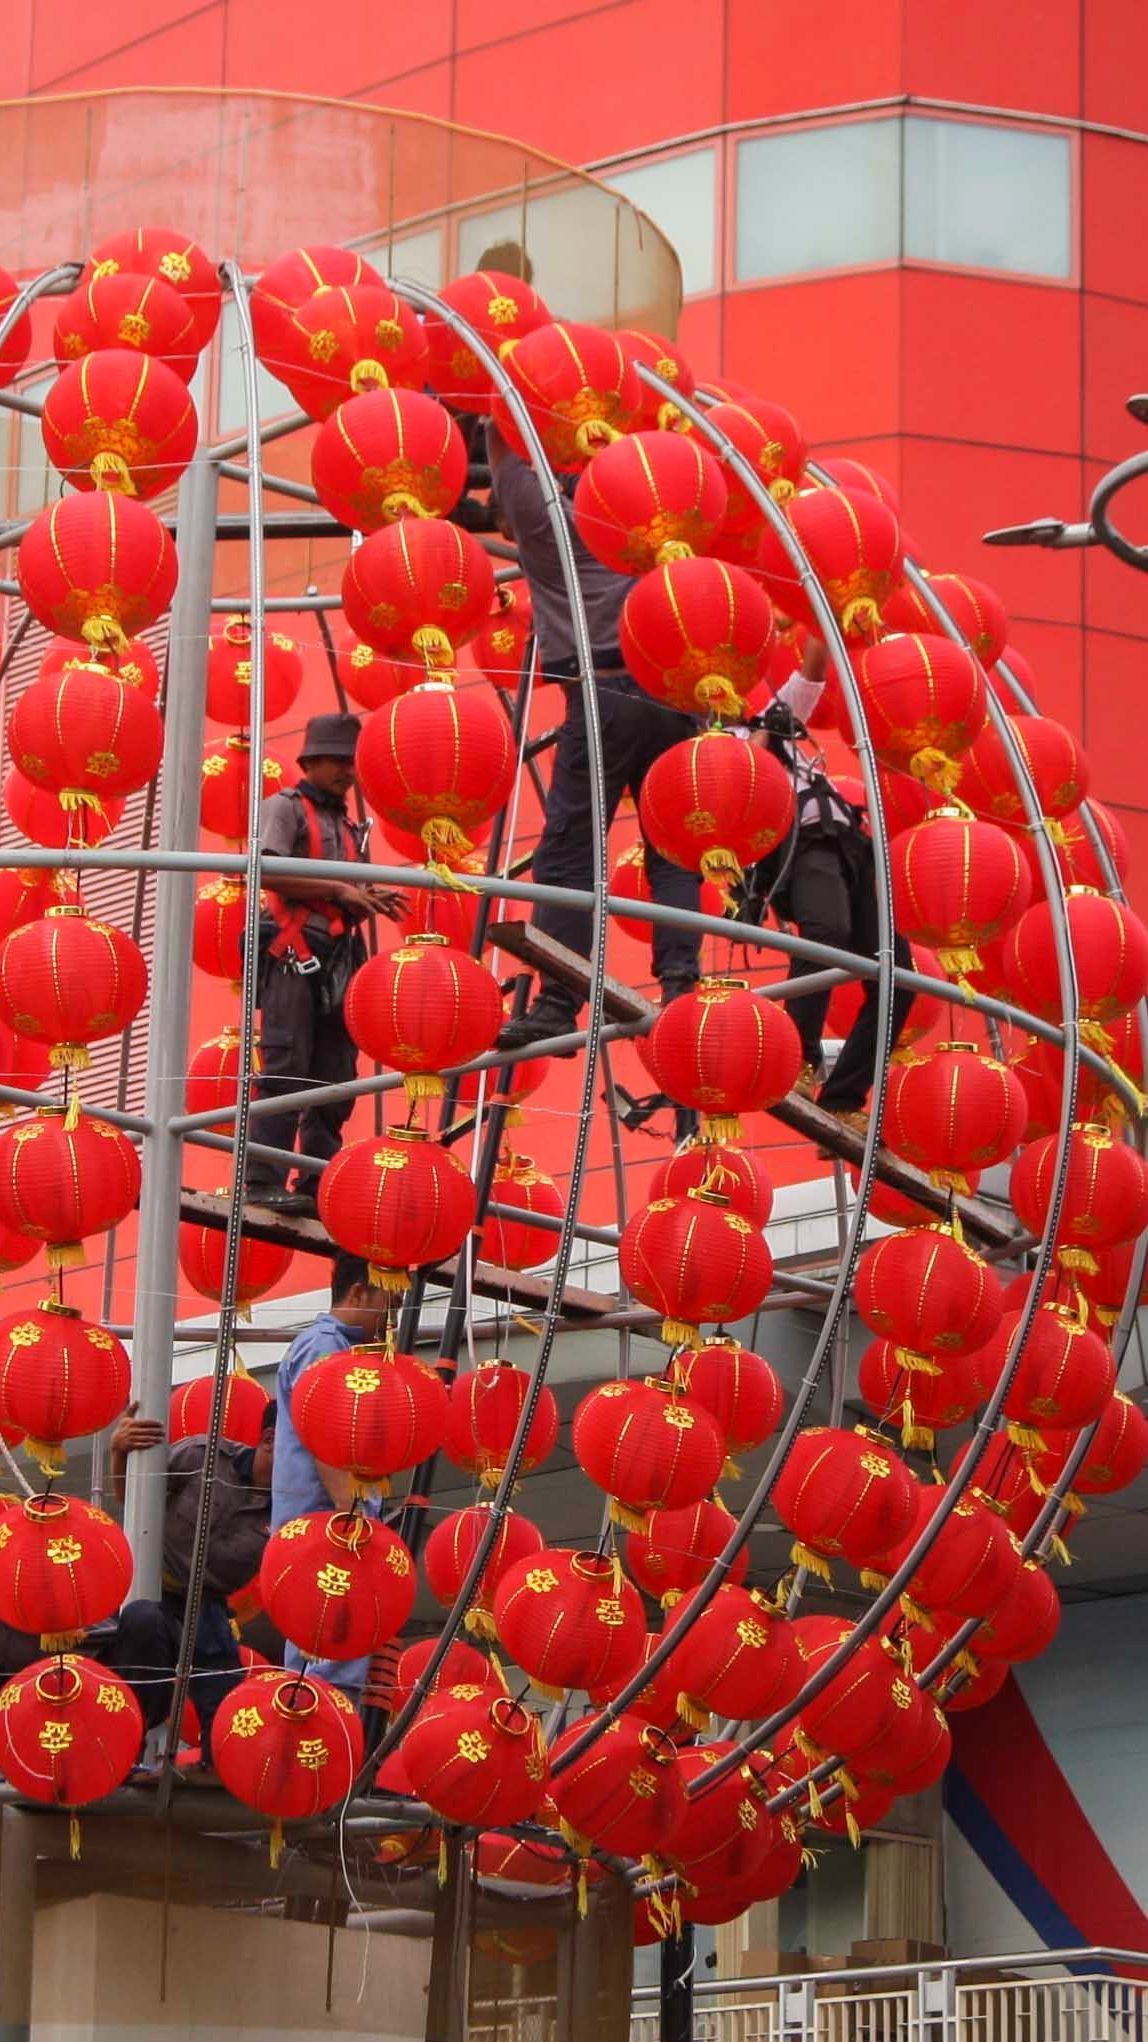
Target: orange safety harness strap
291 917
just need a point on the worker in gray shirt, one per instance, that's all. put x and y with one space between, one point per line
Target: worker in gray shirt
635 731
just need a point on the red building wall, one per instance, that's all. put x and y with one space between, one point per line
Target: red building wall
987 397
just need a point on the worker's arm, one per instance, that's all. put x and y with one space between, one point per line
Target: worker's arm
338 1484
132 1436
802 692
278 838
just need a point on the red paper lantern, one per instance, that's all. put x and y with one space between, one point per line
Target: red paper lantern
423 1008
1025 1623
665 358
694 633
845 473
164 253
229 673
975 609
738 1389
477 1759
399 1200
213 1075
70 1731
368 678
16 345
773 444
290 281
1065 1377
485 1405
953 1109
123 310
646 1446
905 801
347 340
502 309
895 1208
202 1258
579 386
217 930
500 646
336 1584
1105 1193
1002 1472
116 421
451 1548
735 1656
862 1702
371 1411
1056 763
696 1261
674 1550
853 544
43 818
924 702
97 568
64 1566
69 980
82 735
569 1620
1115 1457
657 1701
1110 949
914 1754
929 1292
389 455
921 1402
649 499
226 781
27 892
245 1404
437 763
736 1173
972 1565
60 1182
630 880
723 1051
1077 855
287 1745
1106 1286
974 1688
462 1664
957 883
843 1493
523 1861
626 1793
511 1085
715 805
516 1244
418 591
61 1376
728 1833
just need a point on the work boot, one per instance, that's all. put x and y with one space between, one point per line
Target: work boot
673 988
297 1205
549 1015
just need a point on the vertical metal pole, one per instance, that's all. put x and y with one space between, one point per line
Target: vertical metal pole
677 1981
447 2010
157 1267
17 1923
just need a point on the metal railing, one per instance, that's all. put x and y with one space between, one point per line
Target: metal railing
1080 1998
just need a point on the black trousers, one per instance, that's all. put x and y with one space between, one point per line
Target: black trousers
144 1651
635 732
831 897
300 1045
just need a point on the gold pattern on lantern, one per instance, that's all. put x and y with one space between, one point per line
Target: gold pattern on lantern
473 1746
174 265
747 1815
26 1335
643 1783
294 1530
56 1737
65 1552
113 1699
609 1611
677 1415
313 1754
752 1633
361 1381
333 1580
875 1466
902 1694
541 1581
246 1723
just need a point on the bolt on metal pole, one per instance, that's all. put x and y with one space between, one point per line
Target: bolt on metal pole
157 1267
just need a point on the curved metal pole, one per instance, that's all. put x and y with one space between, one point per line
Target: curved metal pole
49 283
835 1304
233 277
426 301
1109 534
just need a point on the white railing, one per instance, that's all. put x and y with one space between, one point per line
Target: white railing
949 2002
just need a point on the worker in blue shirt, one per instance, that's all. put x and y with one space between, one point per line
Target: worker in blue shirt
300 1482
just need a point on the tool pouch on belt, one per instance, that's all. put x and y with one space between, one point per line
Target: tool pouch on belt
340 958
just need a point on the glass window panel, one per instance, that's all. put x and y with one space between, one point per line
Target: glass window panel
565 249
818 198
678 195
274 396
417 256
37 483
988 197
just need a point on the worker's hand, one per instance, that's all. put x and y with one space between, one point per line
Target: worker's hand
357 898
134 1435
815 659
387 901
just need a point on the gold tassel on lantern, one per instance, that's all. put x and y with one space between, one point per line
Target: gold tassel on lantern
679 1333
872 1580
1078 1258
395 1281
69 1056
722 1127
581 1891
573 1839
419 1085
717 694
630 1520
936 769
804 1556
853 1829
916 1364
1025 1436
916 1614
74 1113
816 1805
49 1458
275 1845
698 1719
724 872
74 1838
64 1255
480 1623
443 1860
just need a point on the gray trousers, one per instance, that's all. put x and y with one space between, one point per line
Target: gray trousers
300 1046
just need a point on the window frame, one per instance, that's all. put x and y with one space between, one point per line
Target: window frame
653 160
